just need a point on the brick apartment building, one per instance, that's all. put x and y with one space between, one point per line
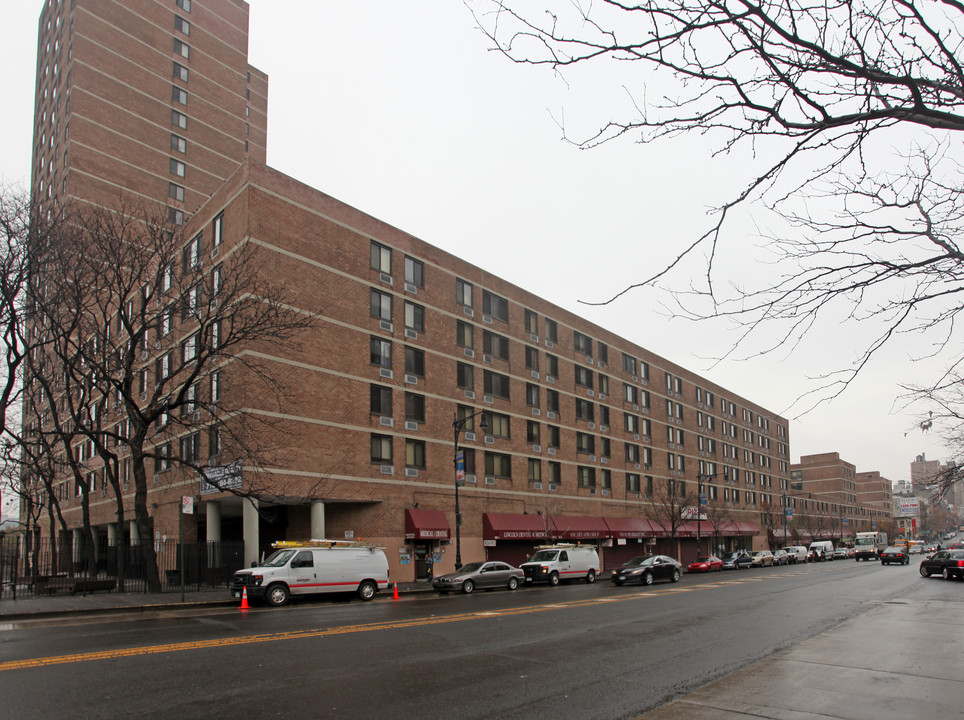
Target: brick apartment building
831 500
153 100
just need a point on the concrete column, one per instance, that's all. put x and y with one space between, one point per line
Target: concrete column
317 520
77 544
212 512
134 539
249 525
112 534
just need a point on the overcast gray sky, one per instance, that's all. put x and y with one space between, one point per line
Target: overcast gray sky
398 108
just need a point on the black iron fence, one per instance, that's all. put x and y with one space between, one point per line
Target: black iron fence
30 565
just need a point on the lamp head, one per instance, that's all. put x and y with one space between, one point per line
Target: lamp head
483 420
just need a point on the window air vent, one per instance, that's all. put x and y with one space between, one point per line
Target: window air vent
388 470
386 421
411 472
411 288
385 373
386 325
411 379
489 480
411 334
386 278
470 436
470 394
409 425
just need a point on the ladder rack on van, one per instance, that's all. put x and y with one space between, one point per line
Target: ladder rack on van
557 546
324 543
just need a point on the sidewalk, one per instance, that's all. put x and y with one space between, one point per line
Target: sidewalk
897 661
39 606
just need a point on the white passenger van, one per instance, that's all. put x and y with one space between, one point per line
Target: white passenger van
314 566
821 550
554 563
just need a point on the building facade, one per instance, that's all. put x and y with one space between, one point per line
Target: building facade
377 432
830 500
144 102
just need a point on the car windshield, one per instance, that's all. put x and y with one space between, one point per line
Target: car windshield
641 560
471 567
702 559
544 556
278 558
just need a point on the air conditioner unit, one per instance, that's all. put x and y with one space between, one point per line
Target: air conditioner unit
386 421
487 319
592 426
537 486
386 325
387 470
197 416
469 352
215 252
409 425
411 289
549 344
470 436
605 491
550 379
490 480
535 374
411 379
411 472
537 448
489 440
536 411
552 451
411 334
385 373
385 278
468 311
470 394
552 487
533 337
592 491
486 358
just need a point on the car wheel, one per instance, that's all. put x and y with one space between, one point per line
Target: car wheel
675 577
367 590
468 586
946 574
924 572
513 583
906 561
591 577
617 582
647 578
277 595
553 578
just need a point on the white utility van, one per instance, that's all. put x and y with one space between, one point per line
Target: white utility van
553 563
821 550
314 566
797 553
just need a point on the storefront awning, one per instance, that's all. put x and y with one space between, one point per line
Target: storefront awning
741 528
579 528
426 525
629 528
508 526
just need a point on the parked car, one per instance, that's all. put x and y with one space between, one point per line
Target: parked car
796 553
841 553
736 560
781 557
762 558
894 554
646 569
947 563
707 563
482 575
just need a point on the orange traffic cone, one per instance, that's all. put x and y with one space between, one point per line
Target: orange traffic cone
244 599
395 594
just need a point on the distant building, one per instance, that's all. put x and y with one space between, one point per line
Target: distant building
834 501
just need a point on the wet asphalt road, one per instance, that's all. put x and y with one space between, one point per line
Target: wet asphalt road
574 652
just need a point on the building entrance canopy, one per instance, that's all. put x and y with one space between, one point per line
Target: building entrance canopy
426 525
509 526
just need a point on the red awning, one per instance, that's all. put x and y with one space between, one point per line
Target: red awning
629 528
508 526
426 525
579 528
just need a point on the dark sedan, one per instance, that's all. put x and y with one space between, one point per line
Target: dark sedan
646 569
894 555
947 563
483 575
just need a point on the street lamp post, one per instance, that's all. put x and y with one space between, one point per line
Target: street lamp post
458 424
783 509
700 499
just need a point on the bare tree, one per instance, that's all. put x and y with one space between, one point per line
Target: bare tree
718 515
816 91
140 336
669 504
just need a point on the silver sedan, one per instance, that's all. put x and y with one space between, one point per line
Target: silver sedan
483 575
